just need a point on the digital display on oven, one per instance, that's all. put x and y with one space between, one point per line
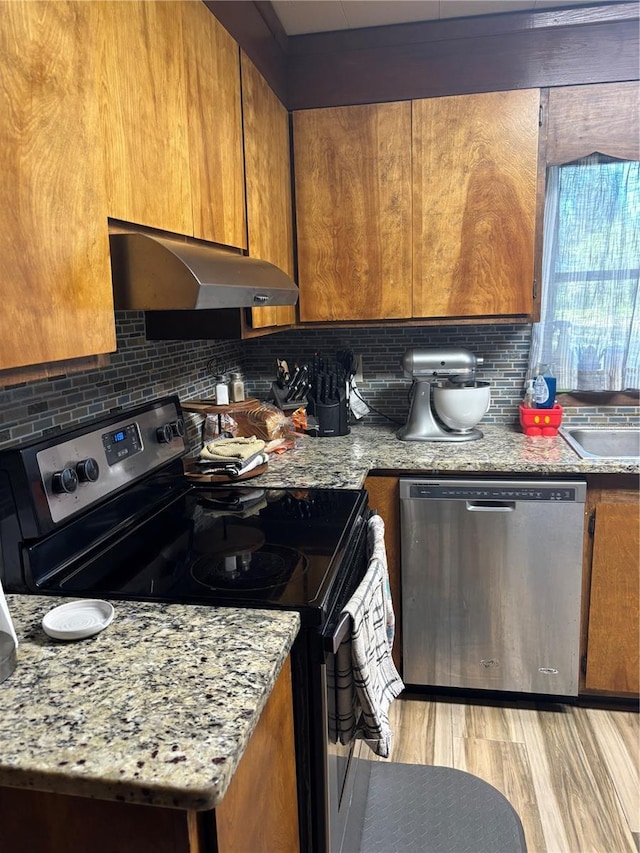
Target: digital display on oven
122 443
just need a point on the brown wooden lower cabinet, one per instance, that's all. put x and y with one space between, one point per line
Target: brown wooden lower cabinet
258 812
384 498
613 566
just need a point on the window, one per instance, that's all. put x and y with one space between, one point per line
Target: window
589 327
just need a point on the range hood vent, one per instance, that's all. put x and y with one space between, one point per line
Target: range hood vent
162 274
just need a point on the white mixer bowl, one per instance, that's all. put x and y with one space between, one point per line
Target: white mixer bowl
461 407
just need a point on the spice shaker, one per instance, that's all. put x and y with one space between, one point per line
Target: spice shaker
222 390
236 388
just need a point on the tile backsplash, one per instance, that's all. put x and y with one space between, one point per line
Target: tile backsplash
504 348
142 370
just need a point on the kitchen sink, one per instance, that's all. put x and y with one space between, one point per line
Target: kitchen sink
603 442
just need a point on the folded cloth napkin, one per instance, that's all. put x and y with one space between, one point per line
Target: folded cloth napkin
366 678
232 448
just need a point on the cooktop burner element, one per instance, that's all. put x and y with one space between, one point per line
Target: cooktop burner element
223 538
258 570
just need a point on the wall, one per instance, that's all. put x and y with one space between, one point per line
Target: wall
505 350
594 43
140 370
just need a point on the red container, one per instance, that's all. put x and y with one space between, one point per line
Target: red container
540 421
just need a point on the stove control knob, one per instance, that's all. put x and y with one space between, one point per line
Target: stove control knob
87 470
164 434
177 427
64 481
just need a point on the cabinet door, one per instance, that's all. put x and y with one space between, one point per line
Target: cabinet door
56 281
144 114
353 208
474 204
268 178
259 812
214 128
384 497
612 648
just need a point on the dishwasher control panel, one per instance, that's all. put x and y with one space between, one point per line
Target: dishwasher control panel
481 493
485 490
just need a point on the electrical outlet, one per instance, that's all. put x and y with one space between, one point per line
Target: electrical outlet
358 374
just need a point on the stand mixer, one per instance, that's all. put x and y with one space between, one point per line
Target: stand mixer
446 400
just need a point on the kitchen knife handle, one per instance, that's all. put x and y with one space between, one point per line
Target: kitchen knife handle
293 385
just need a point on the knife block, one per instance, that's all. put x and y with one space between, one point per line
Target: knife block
278 395
331 417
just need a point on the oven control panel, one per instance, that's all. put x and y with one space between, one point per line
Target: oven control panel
121 443
86 468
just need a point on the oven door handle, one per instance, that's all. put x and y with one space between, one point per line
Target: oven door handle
334 640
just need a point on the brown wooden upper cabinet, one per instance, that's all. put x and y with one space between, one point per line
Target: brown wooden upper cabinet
475 160
268 182
423 209
56 281
144 113
353 207
214 122
172 120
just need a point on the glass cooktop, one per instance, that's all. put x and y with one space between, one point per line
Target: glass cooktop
253 547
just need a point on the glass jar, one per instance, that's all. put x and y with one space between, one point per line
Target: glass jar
236 388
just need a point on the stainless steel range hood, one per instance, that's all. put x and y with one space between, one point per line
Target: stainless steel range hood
163 274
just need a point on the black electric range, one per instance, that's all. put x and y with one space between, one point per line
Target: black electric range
103 510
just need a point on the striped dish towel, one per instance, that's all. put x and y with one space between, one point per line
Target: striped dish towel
366 678
378 551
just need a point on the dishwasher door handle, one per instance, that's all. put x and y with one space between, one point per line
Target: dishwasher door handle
491 506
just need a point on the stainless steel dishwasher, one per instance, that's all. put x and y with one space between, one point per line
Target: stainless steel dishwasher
491 583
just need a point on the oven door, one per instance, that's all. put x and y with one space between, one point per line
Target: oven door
346 773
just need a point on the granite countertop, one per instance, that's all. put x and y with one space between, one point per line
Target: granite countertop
345 461
158 708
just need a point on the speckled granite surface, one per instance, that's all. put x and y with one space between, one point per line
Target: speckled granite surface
344 462
157 709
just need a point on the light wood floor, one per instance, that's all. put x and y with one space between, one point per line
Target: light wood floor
571 773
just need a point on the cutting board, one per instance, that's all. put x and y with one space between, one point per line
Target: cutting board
207 407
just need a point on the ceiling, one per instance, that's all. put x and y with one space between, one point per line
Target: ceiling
317 16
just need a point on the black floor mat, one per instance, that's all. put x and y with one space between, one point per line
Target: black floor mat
416 809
